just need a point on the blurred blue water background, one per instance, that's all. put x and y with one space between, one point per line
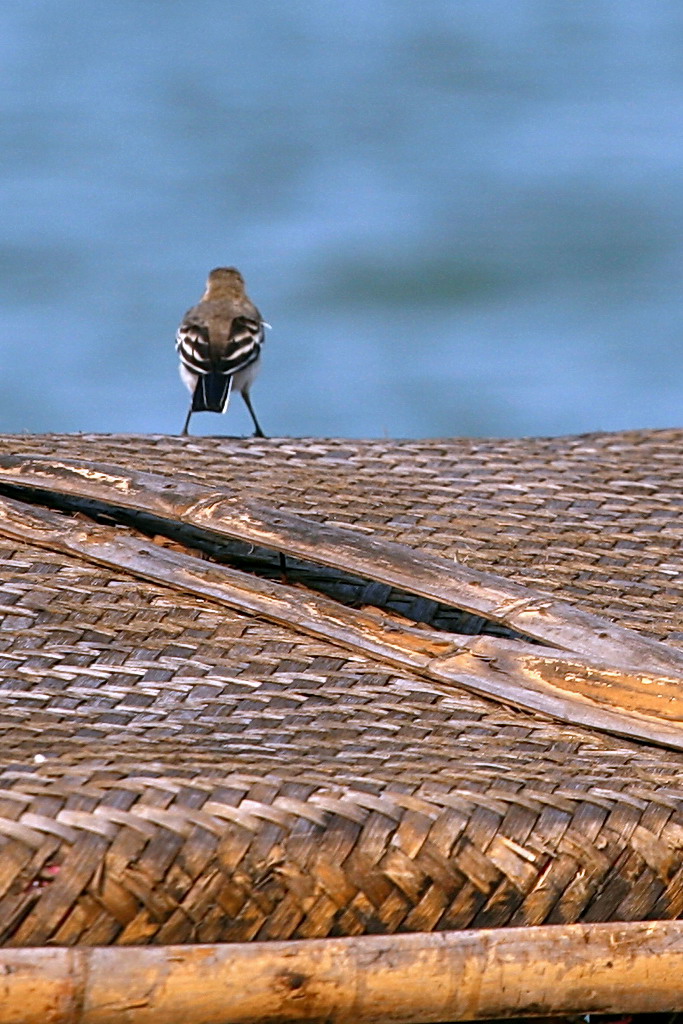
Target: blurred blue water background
460 216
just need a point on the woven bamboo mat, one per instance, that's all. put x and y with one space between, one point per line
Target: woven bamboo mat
177 771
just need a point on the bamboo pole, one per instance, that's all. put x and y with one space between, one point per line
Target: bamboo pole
558 969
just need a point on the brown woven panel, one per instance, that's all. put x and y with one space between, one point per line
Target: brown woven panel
177 772
598 517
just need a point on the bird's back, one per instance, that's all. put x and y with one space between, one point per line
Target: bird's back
218 324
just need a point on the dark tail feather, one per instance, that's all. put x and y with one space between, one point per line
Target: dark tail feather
211 393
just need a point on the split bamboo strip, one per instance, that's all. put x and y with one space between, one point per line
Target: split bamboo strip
567 687
531 612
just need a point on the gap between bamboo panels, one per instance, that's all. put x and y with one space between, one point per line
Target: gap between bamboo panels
533 613
571 688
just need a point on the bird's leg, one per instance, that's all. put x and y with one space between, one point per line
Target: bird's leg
247 401
187 422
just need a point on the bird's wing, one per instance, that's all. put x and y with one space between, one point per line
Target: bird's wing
192 343
240 349
243 346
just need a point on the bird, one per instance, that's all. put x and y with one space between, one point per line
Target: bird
219 344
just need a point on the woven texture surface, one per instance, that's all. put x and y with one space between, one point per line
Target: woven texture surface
176 772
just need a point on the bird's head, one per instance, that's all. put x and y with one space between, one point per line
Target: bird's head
224 283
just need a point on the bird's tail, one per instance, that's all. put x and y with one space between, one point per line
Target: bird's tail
211 393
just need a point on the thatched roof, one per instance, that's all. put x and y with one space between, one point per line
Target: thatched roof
176 770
